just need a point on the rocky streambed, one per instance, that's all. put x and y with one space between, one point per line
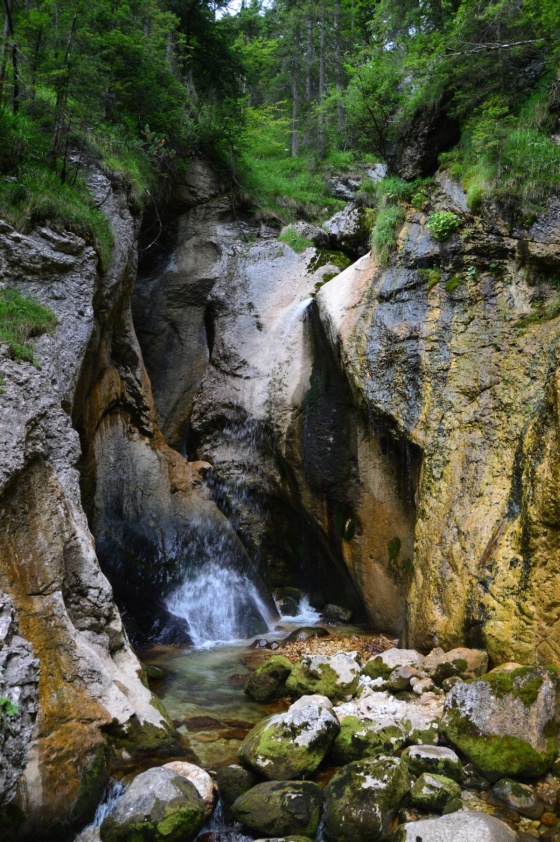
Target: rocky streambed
395 746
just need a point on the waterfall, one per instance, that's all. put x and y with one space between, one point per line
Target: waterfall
219 605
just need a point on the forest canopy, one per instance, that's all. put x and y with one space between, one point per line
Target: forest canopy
277 92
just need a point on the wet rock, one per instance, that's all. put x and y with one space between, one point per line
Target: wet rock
305 633
459 827
279 808
290 745
432 792
465 663
202 781
359 738
233 781
518 797
288 607
316 700
294 593
259 643
502 721
362 798
438 760
334 676
154 673
336 614
269 680
383 664
158 805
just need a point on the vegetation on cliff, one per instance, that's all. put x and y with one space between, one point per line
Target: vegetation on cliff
280 94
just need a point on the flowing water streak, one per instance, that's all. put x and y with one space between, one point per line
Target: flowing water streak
295 316
214 601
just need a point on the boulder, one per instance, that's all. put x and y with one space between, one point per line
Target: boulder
349 230
362 798
158 805
419 717
202 781
400 678
518 797
458 827
466 663
382 665
335 676
336 614
316 699
269 680
305 633
503 722
359 738
438 760
432 792
233 781
278 808
290 745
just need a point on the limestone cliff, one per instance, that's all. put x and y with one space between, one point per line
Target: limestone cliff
89 677
434 346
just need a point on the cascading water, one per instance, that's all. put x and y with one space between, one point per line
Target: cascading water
218 604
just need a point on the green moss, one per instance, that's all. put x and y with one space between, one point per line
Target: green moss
269 680
324 681
179 824
21 319
453 283
433 792
357 739
295 240
434 277
93 782
522 683
324 257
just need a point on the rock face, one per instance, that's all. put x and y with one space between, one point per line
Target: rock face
88 675
503 721
19 678
290 745
434 348
160 806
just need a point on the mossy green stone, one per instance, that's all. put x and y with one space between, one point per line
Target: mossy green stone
233 781
433 792
358 739
313 675
278 808
362 798
269 680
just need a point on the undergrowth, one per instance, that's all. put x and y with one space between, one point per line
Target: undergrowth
21 319
295 240
384 232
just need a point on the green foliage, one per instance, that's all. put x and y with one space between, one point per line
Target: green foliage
8 710
443 224
384 232
21 319
453 283
295 240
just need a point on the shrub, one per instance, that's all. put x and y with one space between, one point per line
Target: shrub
442 224
8 710
21 319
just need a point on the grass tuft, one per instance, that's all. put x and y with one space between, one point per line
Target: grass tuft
384 232
21 319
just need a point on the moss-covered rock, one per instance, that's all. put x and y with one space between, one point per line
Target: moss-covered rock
280 808
504 721
382 665
433 792
462 662
518 797
334 676
438 760
359 738
158 806
233 781
361 799
269 680
290 745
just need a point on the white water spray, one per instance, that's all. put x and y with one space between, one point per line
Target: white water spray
217 605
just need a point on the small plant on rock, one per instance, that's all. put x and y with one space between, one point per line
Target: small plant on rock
443 224
8 710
